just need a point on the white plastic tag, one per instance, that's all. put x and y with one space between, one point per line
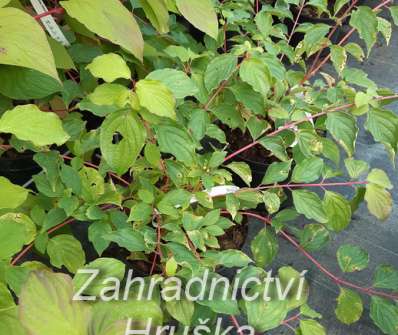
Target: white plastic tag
49 23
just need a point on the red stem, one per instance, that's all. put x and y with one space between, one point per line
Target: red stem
312 72
291 125
337 280
338 23
302 5
293 318
236 324
58 10
50 231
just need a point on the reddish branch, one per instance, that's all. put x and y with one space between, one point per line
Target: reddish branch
300 10
338 23
314 70
337 280
236 324
292 125
50 231
58 10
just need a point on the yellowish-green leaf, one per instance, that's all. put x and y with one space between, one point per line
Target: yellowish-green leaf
47 307
11 196
379 201
109 19
109 67
201 14
4 2
156 11
29 123
380 178
110 95
349 306
156 98
24 43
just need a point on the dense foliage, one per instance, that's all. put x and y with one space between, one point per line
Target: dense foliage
139 116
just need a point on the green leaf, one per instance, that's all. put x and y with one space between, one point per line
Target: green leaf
126 128
228 114
311 327
385 28
219 69
182 310
383 125
21 83
386 277
157 13
242 170
338 211
176 141
265 315
272 202
177 82
314 237
26 47
65 250
379 201
106 267
109 67
29 123
380 178
355 50
255 72
47 307
251 99
61 56
356 168
264 23
11 196
349 306
127 238
384 314
156 98
338 57
233 258
352 258
13 237
276 145
358 77
309 204
364 19
201 14
108 19
264 248
277 172
308 170
344 130
394 14
339 4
